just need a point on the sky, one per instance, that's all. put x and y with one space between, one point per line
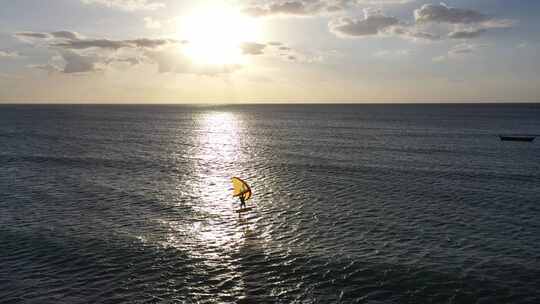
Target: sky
234 51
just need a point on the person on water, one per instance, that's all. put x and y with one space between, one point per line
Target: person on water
242 201
242 190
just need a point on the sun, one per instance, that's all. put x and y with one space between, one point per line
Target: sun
214 34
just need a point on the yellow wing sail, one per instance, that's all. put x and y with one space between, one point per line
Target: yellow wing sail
240 187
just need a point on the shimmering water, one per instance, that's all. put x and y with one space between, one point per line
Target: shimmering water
354 204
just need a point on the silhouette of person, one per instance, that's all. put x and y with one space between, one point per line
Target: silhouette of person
242 201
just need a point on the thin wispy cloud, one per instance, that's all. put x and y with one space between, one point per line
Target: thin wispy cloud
459 51
391 53
30 37
467 34
252 48
128 5
9 54
75 41
464 48
66 35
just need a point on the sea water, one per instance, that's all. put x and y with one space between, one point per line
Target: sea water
353 204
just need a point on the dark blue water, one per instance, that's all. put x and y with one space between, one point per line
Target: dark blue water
354 204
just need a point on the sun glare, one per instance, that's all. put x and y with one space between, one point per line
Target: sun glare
214 34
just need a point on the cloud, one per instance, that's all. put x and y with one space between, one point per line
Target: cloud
374 23
77 54
459 50
466 34
252 48
442 13
51 68
8 54
498 23
310 7
32 35
281 51
522 45
74 41
477 30
411 32
464 48
128 5
380 2
66 35
68 62
280 46
81 44
423 35
150 43
476 22
466 23
72 62
128 60
171 60
305 56
391 53
91 43
278 50
76 63
297 8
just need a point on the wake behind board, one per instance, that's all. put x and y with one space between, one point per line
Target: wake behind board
243 209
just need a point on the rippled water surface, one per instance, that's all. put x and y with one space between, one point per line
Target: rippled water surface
354 204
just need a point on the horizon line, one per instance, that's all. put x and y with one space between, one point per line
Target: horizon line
269 103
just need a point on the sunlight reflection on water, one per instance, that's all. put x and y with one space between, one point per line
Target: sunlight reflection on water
219 140
224 243
217 149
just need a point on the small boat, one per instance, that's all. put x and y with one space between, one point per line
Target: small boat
517 137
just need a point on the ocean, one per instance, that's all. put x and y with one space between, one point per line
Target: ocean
353 204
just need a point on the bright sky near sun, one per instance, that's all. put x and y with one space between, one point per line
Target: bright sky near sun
216 33
144 51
